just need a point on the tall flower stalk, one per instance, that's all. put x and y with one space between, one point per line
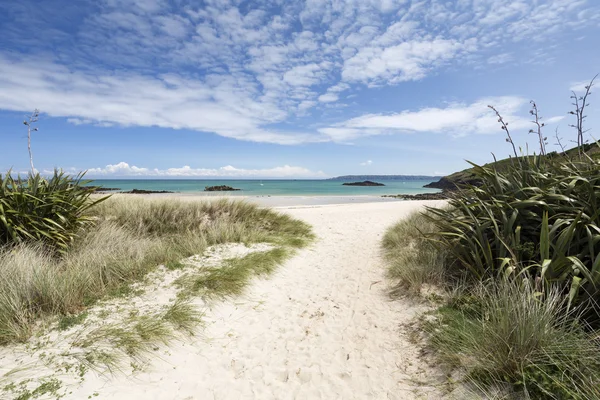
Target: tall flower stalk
29 122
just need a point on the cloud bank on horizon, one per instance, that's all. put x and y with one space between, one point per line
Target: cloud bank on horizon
275 72
125 170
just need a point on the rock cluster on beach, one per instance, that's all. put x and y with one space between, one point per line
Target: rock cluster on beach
102 189
420 196
363 183
221 188
142 191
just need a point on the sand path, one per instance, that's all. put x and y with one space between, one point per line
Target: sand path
320 328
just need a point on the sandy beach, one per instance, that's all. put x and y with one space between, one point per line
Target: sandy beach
321 327
277 201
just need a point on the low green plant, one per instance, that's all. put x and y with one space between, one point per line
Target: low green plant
67 321
136 337
51 211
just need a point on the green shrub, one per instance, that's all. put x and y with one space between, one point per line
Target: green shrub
51 211
538 219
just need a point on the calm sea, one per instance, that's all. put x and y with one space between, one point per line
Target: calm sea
270 187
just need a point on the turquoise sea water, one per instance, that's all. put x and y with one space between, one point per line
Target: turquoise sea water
270 187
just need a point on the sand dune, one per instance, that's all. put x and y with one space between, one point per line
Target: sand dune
321 327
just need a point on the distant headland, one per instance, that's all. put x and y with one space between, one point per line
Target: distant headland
384 178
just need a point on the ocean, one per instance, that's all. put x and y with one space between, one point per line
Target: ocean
270 187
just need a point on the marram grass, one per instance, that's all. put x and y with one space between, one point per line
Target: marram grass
412 259
129 237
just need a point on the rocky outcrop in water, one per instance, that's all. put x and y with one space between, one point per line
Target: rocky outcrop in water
363 183
221 188
450 183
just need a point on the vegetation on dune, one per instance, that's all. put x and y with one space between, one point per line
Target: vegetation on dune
123 239
502 335
518 253
539 221
231 278
413 260
470 176
51 211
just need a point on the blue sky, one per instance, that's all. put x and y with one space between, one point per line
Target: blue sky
299 89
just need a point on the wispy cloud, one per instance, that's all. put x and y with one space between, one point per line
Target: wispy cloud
580 86
366 163
221 106
457 119
124 169
501 58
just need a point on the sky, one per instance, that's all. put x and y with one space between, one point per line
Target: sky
288 89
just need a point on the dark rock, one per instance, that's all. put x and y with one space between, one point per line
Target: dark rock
421 196
221 188
101 189
142 191
363 183
453 184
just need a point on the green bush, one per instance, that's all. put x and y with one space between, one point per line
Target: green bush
37 209
538 219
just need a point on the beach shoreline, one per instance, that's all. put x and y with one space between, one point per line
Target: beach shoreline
275 201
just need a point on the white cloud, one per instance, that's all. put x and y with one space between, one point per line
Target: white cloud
303 75
222 106
502 58
457 119
328 98
553 120
580 87
366 163
403 62
123 169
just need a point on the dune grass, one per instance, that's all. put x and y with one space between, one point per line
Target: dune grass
136 337
502 334
129 237
412 259
507 338
231 278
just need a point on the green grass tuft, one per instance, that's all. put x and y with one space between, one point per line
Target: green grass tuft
183 317
505 334
231 278
68 321
174 265
412 259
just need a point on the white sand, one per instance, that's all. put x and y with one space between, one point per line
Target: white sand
321 327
